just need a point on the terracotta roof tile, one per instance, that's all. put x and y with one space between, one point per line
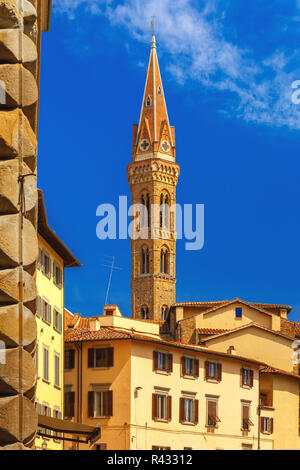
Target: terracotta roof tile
210 331
220 302
84 334
274 370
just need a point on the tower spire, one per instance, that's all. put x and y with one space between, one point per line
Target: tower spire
153 176
153 137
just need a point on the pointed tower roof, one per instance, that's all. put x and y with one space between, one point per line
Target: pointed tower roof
153 137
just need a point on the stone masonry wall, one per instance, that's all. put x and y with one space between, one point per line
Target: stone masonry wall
19 74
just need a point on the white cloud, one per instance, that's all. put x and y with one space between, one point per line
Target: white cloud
198 50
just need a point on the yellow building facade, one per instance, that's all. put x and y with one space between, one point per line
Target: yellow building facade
149 393
193 375
54 256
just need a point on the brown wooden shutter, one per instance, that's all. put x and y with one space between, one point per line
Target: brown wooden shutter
183 365
271 425
72 359
210 409
72 404
245 416
154 406
109 403
206 370
67 405
242 376
155 360
91 404
170 362
90 357
181 410
219 372
169 408
196 411
251 378
110 357
262 419
196 368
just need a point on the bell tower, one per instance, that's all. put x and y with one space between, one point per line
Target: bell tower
153 176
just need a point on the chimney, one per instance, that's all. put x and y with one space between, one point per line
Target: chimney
94 324
231 351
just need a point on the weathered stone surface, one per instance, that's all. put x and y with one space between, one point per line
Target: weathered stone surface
9 242
16 134
9 419
9 372
9 16
9 187
11 75
28 11
9 287
12 51
9 327
16 446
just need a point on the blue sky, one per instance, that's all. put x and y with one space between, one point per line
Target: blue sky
227 70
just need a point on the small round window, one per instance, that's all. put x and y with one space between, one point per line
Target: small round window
165 146
144 145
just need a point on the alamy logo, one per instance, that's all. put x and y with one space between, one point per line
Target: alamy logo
296 93
152 221
296 353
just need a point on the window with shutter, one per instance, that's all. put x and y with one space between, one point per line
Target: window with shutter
57 369
213 371
161 407
69 359
246 421
46 363
212 413
69 402
100 404
162 361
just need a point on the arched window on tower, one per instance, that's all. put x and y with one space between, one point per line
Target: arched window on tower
164 261
164 311
145 261
145 200
145 313
148 101
164 213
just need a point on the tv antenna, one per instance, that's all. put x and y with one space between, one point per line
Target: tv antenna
112 268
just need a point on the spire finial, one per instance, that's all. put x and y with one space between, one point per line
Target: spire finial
153 41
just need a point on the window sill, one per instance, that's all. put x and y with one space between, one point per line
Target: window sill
163 372
247 387
57 331
46 381
45 321
213 381
159 420
100 417
190 377
187 423
101 368
57 387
